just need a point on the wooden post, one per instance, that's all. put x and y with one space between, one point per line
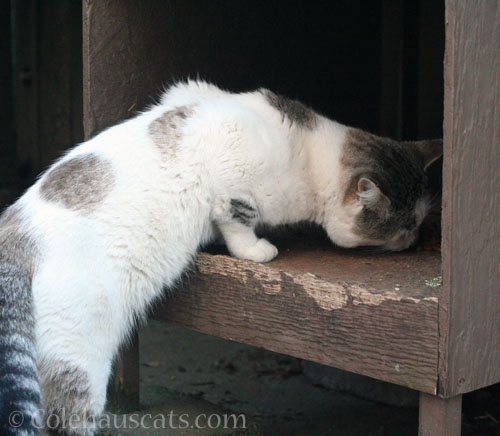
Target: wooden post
439 416
123 388
469 351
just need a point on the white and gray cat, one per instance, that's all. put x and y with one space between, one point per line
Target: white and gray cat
89 247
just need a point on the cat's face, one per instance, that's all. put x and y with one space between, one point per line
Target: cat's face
386 190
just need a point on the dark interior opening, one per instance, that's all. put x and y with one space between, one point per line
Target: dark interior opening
375 65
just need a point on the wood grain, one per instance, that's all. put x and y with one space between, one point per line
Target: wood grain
470 302
327 306
440 416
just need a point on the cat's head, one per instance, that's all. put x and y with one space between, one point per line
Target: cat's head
386 194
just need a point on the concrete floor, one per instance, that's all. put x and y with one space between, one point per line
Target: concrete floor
184 372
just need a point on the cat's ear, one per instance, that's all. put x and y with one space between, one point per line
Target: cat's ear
430 150
370 195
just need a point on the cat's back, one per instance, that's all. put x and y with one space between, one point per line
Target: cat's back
211 103
226 128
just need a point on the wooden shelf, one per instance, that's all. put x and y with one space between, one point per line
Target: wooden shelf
373 314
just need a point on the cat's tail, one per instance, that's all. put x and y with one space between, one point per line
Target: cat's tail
19 386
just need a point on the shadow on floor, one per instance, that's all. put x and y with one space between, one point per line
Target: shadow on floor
192 374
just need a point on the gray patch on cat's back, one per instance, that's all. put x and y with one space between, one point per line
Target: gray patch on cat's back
294 110
166 130
241 211
80 183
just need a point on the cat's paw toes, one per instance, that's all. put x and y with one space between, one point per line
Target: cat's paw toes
261 251
269 250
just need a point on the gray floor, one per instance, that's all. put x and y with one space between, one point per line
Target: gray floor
184 372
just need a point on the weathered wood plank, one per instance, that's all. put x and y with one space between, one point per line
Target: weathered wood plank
124 59
369 315
440 416
470 302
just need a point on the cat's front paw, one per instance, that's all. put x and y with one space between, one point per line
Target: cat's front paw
261 251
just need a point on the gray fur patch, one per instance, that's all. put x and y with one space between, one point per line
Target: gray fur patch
17 247
66 392
396 168
294 110
166 130
80 183
243 212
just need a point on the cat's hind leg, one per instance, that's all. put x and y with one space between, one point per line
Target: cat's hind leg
236 220
73 396
80 323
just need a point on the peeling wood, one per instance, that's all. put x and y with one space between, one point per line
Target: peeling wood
356 326
364 296
328 295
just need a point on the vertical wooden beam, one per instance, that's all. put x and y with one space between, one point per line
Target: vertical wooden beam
123 388
107 96
469 350
439 416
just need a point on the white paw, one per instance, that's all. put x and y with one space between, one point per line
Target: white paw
261 251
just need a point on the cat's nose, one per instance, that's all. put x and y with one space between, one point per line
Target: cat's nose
402 240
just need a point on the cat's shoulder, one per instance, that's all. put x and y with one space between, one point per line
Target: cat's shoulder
191 91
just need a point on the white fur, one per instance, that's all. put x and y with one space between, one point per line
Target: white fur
101 269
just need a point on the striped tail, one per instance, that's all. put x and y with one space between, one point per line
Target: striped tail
19 386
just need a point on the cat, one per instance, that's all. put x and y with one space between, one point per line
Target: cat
88 248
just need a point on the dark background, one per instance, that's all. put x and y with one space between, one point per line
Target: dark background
374 64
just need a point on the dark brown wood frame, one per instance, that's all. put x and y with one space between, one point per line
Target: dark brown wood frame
441 341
